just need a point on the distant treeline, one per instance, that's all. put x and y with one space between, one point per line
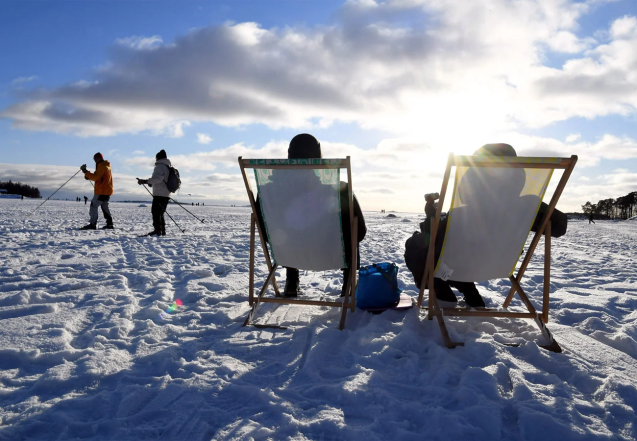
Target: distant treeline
21 189
623 207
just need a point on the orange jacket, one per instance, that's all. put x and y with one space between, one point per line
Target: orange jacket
103 179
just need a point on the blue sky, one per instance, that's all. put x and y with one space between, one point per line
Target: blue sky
396 84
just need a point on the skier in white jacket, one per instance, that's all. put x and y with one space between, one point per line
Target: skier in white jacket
161 194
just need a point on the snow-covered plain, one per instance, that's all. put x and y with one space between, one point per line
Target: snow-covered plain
84 352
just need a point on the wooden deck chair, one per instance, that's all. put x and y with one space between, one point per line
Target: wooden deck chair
300 205
494 204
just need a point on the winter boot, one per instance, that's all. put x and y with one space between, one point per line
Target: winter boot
89 227
291 283
108 227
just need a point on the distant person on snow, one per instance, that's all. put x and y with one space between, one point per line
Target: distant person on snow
161 194
103 191
590 218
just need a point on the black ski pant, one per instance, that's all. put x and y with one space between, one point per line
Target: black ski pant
160 203
444 292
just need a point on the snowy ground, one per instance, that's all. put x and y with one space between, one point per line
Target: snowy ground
84 352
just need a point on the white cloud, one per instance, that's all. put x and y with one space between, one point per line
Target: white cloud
22 80
141 43
473 70
573 137
177 129
139 152
612 185
625 27
203 138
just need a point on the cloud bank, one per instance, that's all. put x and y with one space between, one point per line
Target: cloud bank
479 66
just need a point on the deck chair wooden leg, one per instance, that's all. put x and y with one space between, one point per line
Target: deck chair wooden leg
255 306
553 345
354 263
435 310
547 274
522 294
352 285
251 283
431 298
445 334
348 292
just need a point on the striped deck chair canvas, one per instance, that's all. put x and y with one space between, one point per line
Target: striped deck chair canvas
300 204
494 204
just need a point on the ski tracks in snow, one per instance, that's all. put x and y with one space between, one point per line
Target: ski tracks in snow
87 353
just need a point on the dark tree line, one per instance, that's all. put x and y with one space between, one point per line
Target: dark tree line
21 189
623 207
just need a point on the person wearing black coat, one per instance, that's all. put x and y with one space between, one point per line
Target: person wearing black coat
306 146
442 288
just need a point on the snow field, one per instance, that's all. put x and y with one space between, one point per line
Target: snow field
85 354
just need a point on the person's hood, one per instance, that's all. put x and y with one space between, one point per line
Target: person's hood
164 161
104 163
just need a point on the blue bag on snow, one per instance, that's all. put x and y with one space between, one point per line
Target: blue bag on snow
378 286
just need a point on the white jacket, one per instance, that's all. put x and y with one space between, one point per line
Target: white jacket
159 178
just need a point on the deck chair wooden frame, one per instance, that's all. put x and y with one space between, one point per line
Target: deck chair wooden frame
541 318
349 300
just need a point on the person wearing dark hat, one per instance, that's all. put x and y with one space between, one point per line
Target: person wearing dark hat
103 191
161 194
306 146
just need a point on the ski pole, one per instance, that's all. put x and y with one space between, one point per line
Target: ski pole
171 218
55 192
200 220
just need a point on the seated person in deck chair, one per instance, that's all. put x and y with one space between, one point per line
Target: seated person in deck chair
474 188
305 146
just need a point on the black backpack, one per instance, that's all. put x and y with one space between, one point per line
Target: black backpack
173 182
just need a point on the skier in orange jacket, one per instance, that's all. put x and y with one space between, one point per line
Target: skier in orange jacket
103 191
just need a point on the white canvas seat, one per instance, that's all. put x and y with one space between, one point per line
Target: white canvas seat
494 204
299 201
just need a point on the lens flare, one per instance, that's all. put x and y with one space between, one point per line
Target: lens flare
176 304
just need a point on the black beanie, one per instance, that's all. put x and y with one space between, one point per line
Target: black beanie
304 146
161 155
97 156
496 150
